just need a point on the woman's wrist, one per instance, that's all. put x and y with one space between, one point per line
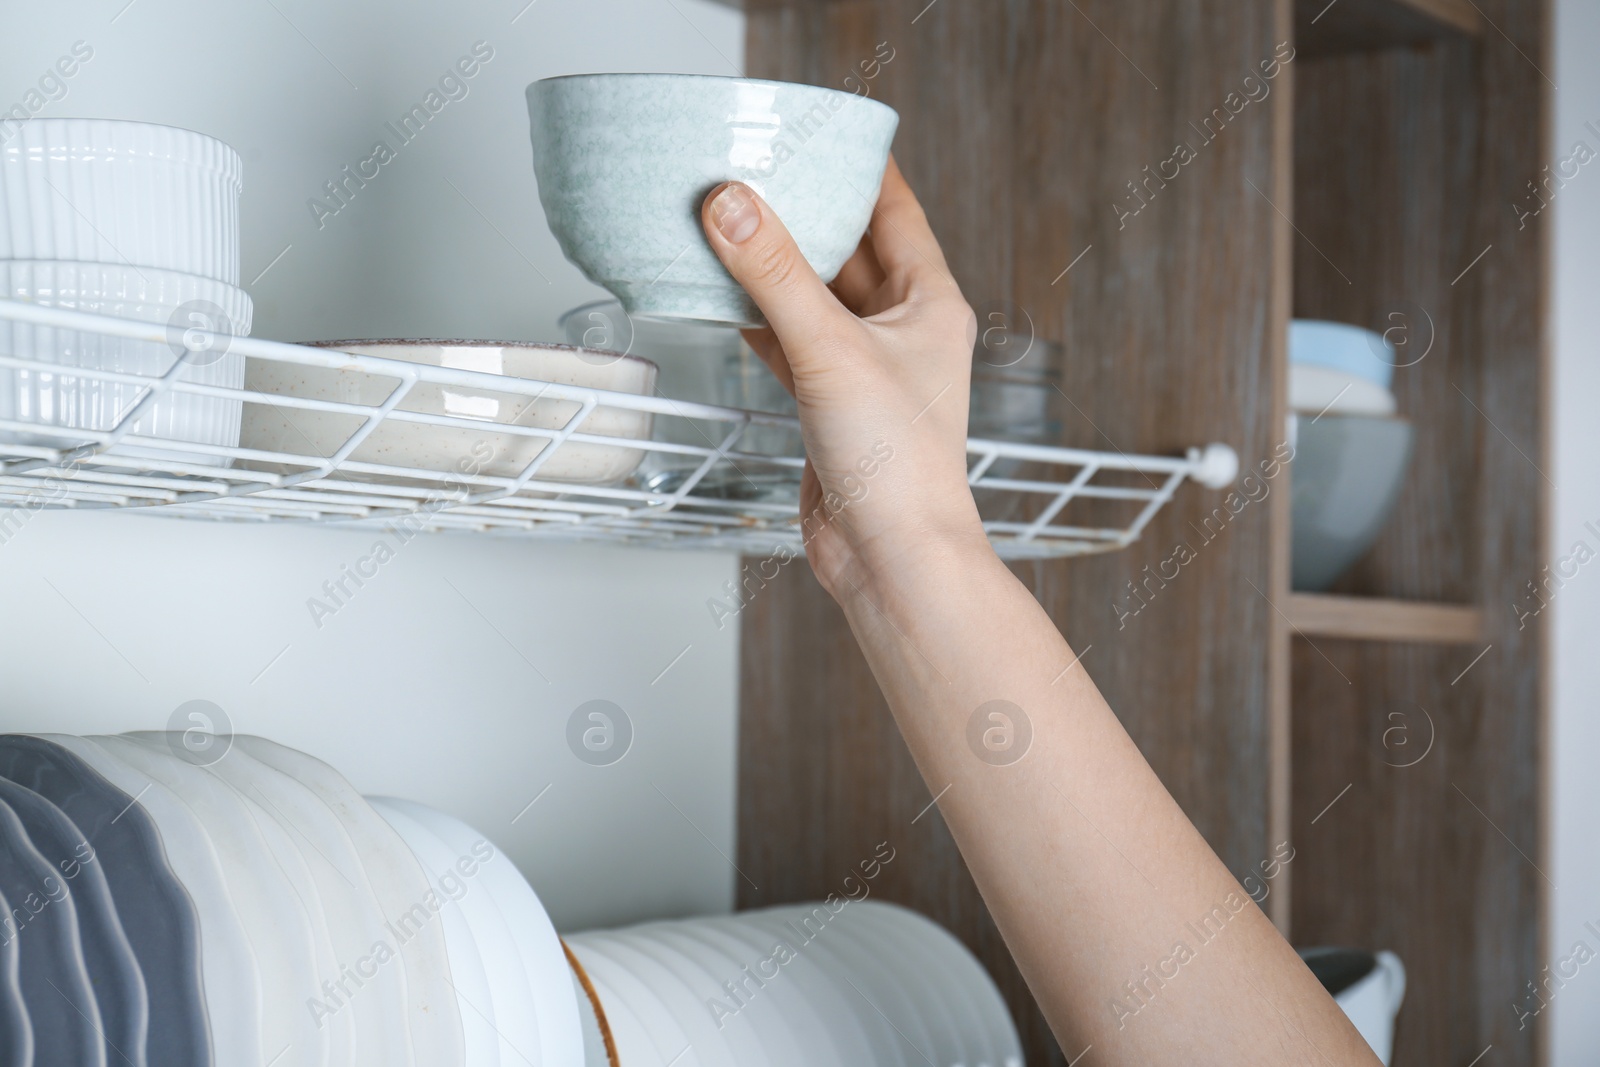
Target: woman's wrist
915 561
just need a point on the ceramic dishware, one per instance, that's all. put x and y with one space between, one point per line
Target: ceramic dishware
228 965
594 1038
128 193
337 1028
953 1031
475 447
50 951
636 991
1317 391
624 161
632 1041
661 1036
829 983
16 1032
669 979
1340 346
532 933
705 364
791 1032
113 971
988 1028
362 943
401 890
153 906
274 920
1346 475
875 993
1368 987
826 994
475 992
58 400
599 1049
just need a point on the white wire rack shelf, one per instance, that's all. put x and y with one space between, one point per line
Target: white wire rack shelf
1028 494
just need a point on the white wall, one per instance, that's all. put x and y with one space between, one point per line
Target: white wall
1575 708
109 622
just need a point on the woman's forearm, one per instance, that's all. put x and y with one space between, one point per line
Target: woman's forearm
1130 932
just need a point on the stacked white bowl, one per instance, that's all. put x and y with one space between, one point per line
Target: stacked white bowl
137 221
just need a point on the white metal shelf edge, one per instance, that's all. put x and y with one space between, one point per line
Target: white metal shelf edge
1024 490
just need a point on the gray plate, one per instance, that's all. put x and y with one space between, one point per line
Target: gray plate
152 905
114 973
16 1033
55 981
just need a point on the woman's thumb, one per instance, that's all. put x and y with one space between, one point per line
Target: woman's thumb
761 255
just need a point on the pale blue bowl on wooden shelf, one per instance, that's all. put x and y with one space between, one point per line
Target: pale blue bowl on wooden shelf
624 162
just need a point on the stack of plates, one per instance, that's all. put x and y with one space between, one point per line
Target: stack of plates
255 910
137 221
242 905
851 982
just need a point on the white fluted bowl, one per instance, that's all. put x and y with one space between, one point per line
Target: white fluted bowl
127 193
56 399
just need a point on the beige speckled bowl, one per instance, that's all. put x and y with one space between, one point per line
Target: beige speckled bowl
456 449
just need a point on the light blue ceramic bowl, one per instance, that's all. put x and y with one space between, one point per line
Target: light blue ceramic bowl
625 160
1342 347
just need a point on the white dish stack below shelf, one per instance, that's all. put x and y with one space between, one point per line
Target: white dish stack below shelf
1037 501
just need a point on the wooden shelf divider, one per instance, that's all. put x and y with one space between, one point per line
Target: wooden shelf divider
1324 28
1375 619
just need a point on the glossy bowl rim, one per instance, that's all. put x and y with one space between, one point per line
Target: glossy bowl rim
728 79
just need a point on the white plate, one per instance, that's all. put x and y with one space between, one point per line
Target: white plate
339 1026
374 999
401 888
709 1044
560 1029
849 1017
632 1039
955 1030
276 924
723 962
814 1040
665 1041
474 990
819 989
973 985
867 982
232 982
595 1052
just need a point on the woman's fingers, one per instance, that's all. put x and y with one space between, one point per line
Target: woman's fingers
765 344
859 278
901 236
761 255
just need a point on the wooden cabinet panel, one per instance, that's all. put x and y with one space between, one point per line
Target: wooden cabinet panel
1036 135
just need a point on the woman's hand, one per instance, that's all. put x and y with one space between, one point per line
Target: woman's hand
878 363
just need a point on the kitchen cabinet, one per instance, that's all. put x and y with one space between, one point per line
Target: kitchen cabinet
1390 731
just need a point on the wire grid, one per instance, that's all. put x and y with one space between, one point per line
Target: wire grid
115 468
